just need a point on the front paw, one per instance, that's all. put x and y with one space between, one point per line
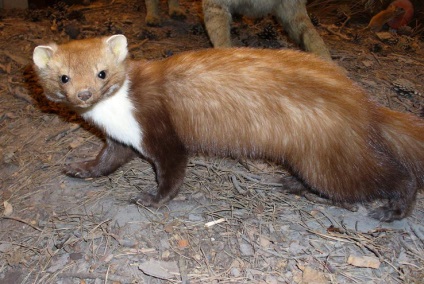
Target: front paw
79 170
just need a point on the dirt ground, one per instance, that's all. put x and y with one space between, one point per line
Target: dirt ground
56 229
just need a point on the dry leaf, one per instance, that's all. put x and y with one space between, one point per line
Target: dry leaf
169 228
166 254
8 208
76 143
313 276
183 243
364 261
264 242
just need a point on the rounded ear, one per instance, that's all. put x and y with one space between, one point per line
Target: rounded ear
118 46
42 55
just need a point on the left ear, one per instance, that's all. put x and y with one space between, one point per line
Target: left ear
118 45
43 54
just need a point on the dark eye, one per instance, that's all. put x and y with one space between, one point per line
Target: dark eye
64 79
102 75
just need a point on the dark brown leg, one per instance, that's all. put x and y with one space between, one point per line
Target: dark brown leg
399 206
169 158
170 174
294 186
112 156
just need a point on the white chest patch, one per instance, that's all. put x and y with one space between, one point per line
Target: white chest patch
115 115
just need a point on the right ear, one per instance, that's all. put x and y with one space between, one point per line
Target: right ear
42 55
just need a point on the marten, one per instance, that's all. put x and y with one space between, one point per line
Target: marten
284 106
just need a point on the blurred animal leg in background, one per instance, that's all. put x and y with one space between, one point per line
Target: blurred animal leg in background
217 19
296 22
152 12
175 10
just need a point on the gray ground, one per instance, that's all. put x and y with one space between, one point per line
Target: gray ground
55 229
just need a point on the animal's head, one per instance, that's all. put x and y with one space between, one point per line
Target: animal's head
82 72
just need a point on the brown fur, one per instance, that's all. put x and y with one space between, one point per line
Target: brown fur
285 106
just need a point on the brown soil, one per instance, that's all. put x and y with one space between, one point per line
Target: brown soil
56 229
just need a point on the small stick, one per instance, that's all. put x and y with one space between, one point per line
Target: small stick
183 270
211 272
85 275
22 221
63 133
213 223
345 21
336 33
376 58
237 185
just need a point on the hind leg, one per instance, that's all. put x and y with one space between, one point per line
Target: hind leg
399 206
293 16
294 186
217 19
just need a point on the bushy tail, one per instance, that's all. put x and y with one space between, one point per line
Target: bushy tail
402 137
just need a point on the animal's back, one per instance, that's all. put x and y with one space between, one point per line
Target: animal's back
258 96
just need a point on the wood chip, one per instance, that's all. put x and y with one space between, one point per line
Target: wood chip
313 276
183 243
160 269
8 208
364 261
212 223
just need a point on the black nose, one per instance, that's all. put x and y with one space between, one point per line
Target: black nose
84 95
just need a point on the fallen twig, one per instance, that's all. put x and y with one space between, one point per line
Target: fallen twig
336 33
22 221
86 275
